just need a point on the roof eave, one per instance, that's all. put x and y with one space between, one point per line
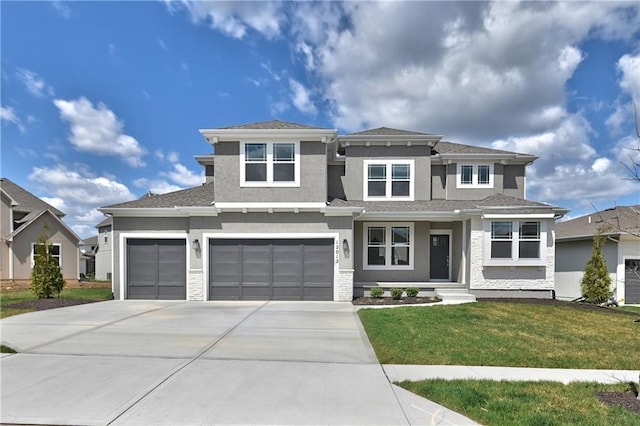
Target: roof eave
214 136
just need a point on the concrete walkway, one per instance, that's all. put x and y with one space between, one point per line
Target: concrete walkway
398 373
160 362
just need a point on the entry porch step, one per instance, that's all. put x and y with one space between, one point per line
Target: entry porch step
454 295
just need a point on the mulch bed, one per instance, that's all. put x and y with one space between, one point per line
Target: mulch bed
392 301
42 304
620 399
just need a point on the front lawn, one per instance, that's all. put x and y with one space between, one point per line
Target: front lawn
527 403
14 302
555 335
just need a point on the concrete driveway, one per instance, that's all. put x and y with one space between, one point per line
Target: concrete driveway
148 362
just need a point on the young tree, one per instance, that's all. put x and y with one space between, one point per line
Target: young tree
596 282
46 277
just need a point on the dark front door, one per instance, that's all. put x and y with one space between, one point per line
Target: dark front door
271 269
156 269
632 281
439 257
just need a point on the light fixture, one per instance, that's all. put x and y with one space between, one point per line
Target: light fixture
196 244
345 247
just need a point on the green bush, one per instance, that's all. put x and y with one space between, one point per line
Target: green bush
412 291
396 293
596 282
377 292
46 276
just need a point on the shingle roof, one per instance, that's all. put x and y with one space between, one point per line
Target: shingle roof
444 147
105 222
494 202
27 202
192 197
272 125
91 241
387 131
611 221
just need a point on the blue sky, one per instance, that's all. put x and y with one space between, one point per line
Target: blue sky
102 101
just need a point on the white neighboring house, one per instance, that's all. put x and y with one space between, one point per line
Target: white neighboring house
87 261
574 245
103 253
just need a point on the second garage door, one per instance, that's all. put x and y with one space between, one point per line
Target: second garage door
156 269
271 269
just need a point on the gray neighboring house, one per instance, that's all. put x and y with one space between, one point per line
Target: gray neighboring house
103 252
574 245
22 220
294 212
88 248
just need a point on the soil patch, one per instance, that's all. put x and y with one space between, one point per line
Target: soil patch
392 301
42 304
620 399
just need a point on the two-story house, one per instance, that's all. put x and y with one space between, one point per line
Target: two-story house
103 252
23 218
293 212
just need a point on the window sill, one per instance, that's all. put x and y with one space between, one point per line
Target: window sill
514 263
388 268
388 199
473 186
269 185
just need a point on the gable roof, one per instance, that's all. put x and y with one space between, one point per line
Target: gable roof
199 196
26 201
272 125
444 147
615 220
34 216
388 131
105 222
91 241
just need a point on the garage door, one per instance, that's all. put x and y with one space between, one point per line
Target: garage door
156 269
277 269
632 281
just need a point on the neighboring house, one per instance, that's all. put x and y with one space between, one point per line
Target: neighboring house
22 220
574 246
88 249
103 254
291 212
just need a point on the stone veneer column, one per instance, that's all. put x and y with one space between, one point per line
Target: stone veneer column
345 285
195 283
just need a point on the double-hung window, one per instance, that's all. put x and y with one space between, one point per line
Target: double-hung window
515 243
270 164
388 246
54 249
388 180
472 175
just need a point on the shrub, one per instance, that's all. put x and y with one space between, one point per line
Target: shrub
596 281
377 292
46 277
412 291
396 293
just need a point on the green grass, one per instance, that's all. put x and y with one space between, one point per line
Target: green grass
526 403
8 297
504 334
635 309
6 350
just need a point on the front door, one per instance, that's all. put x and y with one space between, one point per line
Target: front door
439 257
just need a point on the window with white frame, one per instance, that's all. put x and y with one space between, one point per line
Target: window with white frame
388 179
518 242
388 246
55 250
471 175
270 164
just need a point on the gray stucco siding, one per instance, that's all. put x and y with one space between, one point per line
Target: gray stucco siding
336 181
455 193
313 177
438 182
354 168
513 180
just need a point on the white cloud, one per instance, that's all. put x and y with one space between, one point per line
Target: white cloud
8 115
601 165
156 186
97 130
300 98
630 67
34 83
61 9
78 193
183 176
234 19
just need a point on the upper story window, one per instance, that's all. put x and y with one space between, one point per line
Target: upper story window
515 243
270 164
475 175
55 250
388 179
